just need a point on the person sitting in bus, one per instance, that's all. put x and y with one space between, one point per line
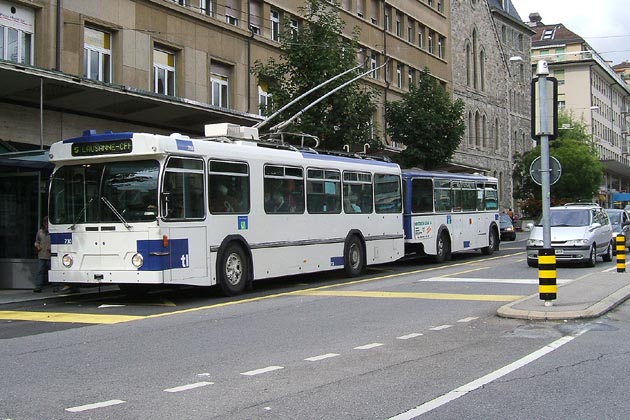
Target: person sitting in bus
350 206
220 201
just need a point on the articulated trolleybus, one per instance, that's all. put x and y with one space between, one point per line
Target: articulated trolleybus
450 212
139 209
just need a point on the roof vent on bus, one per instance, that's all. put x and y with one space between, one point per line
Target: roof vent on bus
179 136
231 131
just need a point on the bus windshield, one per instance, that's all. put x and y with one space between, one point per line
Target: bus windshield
81 193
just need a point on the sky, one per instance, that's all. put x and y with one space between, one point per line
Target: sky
604 24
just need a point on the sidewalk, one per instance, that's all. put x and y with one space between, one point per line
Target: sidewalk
587 297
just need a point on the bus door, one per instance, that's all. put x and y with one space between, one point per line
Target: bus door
182 203
456 225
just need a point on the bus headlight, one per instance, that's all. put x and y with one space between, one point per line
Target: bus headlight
67 260
137 260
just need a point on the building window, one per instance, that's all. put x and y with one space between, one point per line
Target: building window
373 66
181 2
163 72
559 75
16 34
231 20
421 37
399 77
430 41
207 7
264 102
398 25
295 26
275 25
547 34
441 42
97 55
388 23
220 85
410 78
410 31
440 6
220 90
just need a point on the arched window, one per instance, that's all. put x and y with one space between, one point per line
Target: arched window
475 55
484 131
482 70
468 65
471 129
496 134
478 133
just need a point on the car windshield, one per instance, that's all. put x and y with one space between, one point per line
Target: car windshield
569 218
505 219
615 217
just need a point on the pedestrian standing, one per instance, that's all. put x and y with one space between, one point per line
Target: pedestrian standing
42 245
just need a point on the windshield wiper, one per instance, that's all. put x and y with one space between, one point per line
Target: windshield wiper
116 213
76 220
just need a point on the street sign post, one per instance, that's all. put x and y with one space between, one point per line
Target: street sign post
545 126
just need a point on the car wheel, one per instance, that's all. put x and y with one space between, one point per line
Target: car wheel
608 256
532 263
592 257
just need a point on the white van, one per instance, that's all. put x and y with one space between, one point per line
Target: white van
579 233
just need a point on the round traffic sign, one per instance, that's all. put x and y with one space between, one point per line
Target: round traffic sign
555 170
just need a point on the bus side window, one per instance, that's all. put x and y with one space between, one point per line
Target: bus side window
421 195
228 187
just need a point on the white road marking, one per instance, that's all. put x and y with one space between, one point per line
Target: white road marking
482 280
93 406
470 318
321 357
408 336
440 327
261 371
188 387
484 380
368 346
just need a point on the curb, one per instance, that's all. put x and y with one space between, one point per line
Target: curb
597 309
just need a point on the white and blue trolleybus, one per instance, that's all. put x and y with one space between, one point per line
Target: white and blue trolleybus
138 209
448 212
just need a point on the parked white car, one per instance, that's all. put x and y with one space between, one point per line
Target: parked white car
579 233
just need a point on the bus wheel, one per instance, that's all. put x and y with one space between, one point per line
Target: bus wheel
354 257
233 270
494 243
443 248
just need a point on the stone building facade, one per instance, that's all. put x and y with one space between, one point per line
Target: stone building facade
491 74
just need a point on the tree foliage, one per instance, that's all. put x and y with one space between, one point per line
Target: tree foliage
581 169
427 122
309 56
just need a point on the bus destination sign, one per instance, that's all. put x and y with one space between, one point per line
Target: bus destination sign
102 148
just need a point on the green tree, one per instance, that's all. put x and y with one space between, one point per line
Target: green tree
581 169
427 122
309 56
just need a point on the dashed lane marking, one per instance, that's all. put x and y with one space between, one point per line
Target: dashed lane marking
261 371
369 346
77 318
408 336
470 318
410 295
189 386
440 327
94 406
321 357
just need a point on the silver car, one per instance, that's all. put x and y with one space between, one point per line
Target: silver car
579 233
620 222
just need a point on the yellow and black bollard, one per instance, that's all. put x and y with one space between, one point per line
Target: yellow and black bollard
621 253
547 288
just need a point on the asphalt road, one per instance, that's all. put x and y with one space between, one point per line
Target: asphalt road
411 340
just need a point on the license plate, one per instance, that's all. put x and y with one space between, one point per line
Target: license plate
559 251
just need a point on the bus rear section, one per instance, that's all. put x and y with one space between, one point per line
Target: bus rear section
449 212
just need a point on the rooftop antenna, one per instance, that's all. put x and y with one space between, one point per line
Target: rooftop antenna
283 124
266 120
